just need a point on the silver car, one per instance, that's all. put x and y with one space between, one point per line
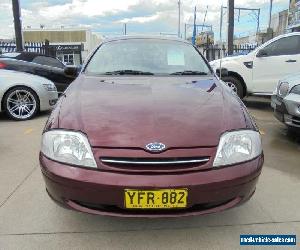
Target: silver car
286 101
23 95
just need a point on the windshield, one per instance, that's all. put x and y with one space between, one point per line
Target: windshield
147 57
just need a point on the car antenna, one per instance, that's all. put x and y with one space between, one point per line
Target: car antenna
220 69
221 51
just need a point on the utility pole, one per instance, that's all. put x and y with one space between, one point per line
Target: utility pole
230 32
179 17
270 13
125 29
240 9
258 21
221 24
17 24
187 26
204 18
194 30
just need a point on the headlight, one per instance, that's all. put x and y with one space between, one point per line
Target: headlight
296 90
49 86
68 147
238 146
283 89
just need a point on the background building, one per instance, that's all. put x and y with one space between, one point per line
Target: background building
294 15
278 26
279 22
71 45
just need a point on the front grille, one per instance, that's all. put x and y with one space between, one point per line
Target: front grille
296 120
154 164
119 210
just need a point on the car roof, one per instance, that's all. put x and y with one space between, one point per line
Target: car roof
27 56
276 38
288 34
21 62
10 54
168 38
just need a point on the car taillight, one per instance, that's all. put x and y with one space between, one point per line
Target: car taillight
2 65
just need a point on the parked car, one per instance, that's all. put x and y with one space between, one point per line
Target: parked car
35 58
47 70
23 95
258 72
148 130
286 101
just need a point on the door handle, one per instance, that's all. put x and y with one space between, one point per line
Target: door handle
291 61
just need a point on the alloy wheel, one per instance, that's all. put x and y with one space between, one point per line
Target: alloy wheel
21 104
232 86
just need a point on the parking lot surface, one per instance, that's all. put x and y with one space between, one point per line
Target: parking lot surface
30 220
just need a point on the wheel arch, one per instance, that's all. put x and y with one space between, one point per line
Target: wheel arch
241 79
15 86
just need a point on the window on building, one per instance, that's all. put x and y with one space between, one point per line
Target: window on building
69 59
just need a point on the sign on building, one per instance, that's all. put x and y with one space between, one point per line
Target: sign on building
69 54
294 14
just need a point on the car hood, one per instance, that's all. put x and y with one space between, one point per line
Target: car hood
239 58
229 58
130 112
293 80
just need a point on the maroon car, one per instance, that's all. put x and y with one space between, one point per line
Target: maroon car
148 130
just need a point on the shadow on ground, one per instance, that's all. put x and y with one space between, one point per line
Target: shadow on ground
4 117
258 103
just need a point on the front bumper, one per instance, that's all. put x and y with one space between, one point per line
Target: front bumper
48 100
287 110
99 192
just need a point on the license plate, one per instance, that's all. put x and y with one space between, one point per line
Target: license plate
162 198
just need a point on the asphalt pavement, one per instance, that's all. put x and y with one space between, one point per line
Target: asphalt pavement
30 220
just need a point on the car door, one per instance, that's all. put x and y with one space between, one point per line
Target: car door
274 61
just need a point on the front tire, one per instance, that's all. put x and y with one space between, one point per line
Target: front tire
21 103
235 84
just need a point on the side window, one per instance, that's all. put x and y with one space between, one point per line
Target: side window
48 61
284 46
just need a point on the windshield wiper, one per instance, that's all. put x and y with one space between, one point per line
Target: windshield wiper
189 72
128 72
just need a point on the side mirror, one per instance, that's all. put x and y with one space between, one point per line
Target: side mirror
72 71
222 72
262 53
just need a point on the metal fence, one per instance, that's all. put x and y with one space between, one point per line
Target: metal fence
210 52
213 52
41 48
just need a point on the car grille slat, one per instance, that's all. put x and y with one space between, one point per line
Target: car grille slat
296 120
154 164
